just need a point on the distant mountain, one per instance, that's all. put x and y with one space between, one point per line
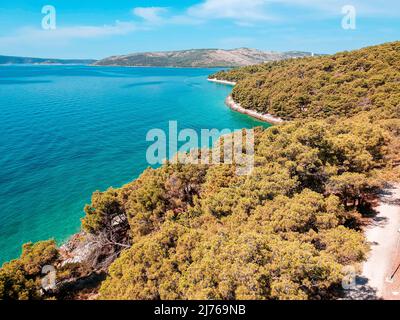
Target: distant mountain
29 60
200 58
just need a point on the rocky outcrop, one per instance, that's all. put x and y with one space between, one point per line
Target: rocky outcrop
85 258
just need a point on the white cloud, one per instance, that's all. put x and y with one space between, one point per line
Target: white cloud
150 14
370 8
161 16
246 12
119 28
238 10
32 35
184 20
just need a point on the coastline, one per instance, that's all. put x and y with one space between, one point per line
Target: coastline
269 118
260 116
229 83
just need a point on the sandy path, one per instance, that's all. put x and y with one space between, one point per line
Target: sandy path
384 238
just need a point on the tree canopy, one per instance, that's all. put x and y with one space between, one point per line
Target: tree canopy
284 232
343 84
20 279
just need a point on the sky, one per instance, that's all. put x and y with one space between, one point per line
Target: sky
101 28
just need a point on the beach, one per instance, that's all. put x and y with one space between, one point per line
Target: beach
238 108
229 83
260 116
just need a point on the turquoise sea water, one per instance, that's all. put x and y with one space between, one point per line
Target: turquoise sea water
66 131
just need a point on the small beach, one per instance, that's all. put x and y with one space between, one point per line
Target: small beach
269 118
260 116
229 83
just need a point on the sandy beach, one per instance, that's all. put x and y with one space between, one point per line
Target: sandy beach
236 106
229 83
260 116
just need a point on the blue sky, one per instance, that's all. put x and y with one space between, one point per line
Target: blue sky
96 29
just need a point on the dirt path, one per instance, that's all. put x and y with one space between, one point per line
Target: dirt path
384 237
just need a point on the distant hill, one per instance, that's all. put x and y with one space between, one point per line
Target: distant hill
29 60
200 58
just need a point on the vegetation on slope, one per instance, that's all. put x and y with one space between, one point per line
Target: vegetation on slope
20 279
340 85
283 232
202 232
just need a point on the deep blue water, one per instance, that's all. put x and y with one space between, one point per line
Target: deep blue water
66 131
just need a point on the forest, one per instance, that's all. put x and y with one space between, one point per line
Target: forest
319 87
287 230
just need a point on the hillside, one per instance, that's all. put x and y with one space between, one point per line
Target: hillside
28 60
199 58
190 231
287 230
340 85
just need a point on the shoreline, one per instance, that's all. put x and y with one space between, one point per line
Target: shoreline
229 83
259 116
265 117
